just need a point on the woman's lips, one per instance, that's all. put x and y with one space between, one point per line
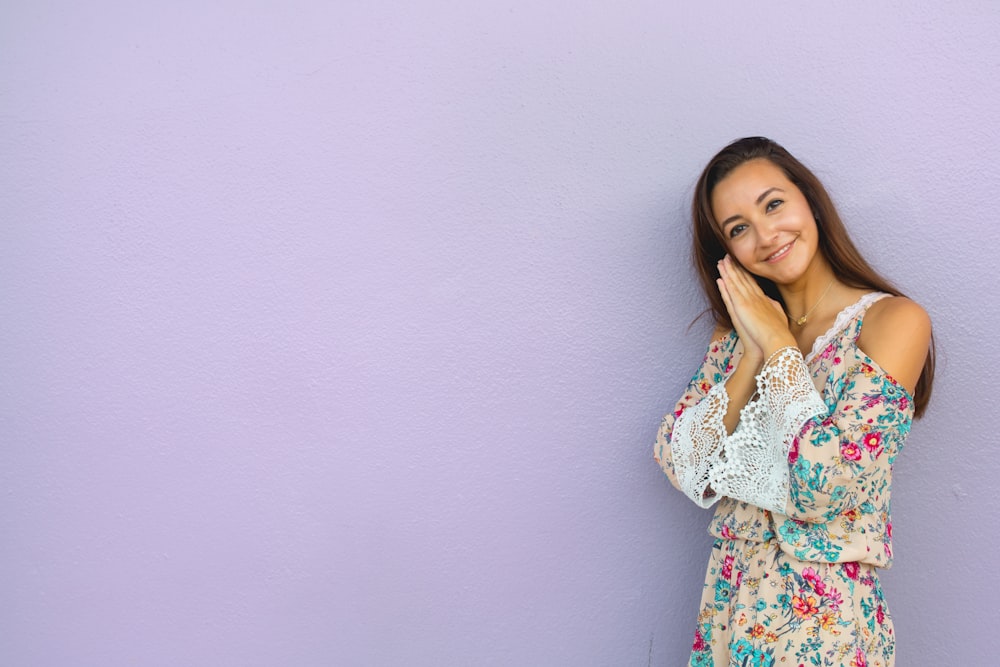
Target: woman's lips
779 254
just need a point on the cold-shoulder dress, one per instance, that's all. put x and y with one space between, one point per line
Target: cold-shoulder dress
801 488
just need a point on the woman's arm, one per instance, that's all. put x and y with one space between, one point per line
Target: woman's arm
705 461
752 464
686 452
690 443
841 460
760 323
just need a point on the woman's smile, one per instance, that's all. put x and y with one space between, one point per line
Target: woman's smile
780 253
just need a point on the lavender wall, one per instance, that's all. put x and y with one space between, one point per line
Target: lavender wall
338 333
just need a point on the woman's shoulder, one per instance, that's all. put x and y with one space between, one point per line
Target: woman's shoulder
725 338
720 332
896 333
896 314
724 344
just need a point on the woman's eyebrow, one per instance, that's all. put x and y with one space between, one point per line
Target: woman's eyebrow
767 192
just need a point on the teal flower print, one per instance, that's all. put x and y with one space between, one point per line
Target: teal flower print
745 654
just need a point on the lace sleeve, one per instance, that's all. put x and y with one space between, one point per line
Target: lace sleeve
698 436
690 434
752 463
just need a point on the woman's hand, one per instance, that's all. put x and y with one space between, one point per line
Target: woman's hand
759 320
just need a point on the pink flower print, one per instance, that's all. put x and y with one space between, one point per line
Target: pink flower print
859 659
873 441
727 567
815 582
739 578
852 570
834 599
793 453
728 533
699 641
880 615
850 451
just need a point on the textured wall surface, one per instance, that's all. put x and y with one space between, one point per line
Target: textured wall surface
338 333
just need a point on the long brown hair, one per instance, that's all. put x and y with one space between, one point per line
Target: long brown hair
848 265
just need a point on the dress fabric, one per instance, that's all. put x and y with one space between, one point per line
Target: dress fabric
795 582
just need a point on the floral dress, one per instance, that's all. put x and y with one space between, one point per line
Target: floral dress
801 489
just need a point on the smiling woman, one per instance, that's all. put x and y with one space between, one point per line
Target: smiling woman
772 234
792 423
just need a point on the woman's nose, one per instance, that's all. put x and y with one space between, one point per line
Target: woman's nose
768 230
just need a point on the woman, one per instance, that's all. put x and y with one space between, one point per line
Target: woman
792 423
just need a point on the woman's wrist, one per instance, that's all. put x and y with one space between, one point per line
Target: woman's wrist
776 346
776 353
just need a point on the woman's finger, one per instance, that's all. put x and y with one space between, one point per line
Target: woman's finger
736 291
734 315
740 291
747 302
729 273
741 278
726 298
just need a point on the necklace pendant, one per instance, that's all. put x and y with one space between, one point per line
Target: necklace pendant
802 320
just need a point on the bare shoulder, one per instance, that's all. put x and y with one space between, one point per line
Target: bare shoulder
896 334
896 315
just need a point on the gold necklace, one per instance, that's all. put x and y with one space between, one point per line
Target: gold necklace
805 318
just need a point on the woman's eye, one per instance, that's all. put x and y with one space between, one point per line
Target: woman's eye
736 230
773 204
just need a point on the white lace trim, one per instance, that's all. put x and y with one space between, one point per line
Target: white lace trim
844 317
750 465
755 464
695 444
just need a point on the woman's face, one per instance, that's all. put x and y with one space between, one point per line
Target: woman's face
766 221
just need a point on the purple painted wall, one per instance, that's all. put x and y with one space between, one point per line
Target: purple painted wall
338 333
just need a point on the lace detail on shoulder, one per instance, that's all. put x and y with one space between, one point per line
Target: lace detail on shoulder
754 459
844 317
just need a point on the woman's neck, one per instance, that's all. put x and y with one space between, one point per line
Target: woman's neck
807 294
